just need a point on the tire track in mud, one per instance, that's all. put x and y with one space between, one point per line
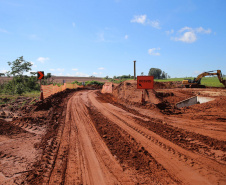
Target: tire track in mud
130 154
190 168
83 157
205 145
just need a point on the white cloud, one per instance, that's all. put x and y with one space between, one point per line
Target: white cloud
142 19
169 32
60 69
81 74
101 68
3 71
185 29
33 64
189 35
152 51
139 19
94 73
3 31
73 24
154 24
42 59
202 30
126 36
74 69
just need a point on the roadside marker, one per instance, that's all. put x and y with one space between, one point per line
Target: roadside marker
145 82
40 75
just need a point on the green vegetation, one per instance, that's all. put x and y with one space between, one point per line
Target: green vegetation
211 82
207 81
118 81
76 82
93 82
172 79
22 84
158 73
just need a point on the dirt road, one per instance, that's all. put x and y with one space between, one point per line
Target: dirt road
84 156
102 142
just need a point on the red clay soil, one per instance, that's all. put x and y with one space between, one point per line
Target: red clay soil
9 129
85 137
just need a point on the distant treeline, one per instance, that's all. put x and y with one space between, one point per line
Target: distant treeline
156 72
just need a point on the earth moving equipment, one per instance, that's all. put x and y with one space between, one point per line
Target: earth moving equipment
196 82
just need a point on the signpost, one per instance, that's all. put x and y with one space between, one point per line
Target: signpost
40 77
145 82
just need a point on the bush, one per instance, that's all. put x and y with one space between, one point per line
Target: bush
20 89
93 82
8 88
76 82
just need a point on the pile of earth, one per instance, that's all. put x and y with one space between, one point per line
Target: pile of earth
13 108
128 91
9 129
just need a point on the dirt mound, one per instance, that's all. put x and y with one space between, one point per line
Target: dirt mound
128 91
167 85
9 129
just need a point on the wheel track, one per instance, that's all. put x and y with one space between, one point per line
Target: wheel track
190 163
87 159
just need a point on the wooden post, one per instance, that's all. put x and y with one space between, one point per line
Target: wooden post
41 95
134 70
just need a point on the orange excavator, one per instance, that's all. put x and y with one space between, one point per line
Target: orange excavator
196 82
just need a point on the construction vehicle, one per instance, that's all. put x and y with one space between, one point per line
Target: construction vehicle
196 82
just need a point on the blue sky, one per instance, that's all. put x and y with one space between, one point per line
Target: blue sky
104 37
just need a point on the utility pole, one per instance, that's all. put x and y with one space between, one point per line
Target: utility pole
134 70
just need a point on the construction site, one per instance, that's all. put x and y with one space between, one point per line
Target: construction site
117 134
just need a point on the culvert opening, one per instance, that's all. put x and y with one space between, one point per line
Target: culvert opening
193 100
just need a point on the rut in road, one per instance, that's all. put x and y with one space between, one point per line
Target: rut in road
83 157
188 167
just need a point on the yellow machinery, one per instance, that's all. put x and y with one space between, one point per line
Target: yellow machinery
196 82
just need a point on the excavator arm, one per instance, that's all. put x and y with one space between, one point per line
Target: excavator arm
197 81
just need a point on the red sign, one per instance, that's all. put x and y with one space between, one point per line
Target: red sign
40 75
145 82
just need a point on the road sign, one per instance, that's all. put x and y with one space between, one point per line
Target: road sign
145 82
40 75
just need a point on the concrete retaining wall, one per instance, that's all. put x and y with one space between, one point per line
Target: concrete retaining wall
193 100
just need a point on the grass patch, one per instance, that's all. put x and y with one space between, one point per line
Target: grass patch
207 81
117 81
5 98
32 94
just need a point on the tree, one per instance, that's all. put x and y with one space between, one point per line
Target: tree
19 66
156 72
142 73
163 75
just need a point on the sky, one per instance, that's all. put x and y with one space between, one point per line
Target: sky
103 37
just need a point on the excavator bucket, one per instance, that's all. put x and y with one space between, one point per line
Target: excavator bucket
224 83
